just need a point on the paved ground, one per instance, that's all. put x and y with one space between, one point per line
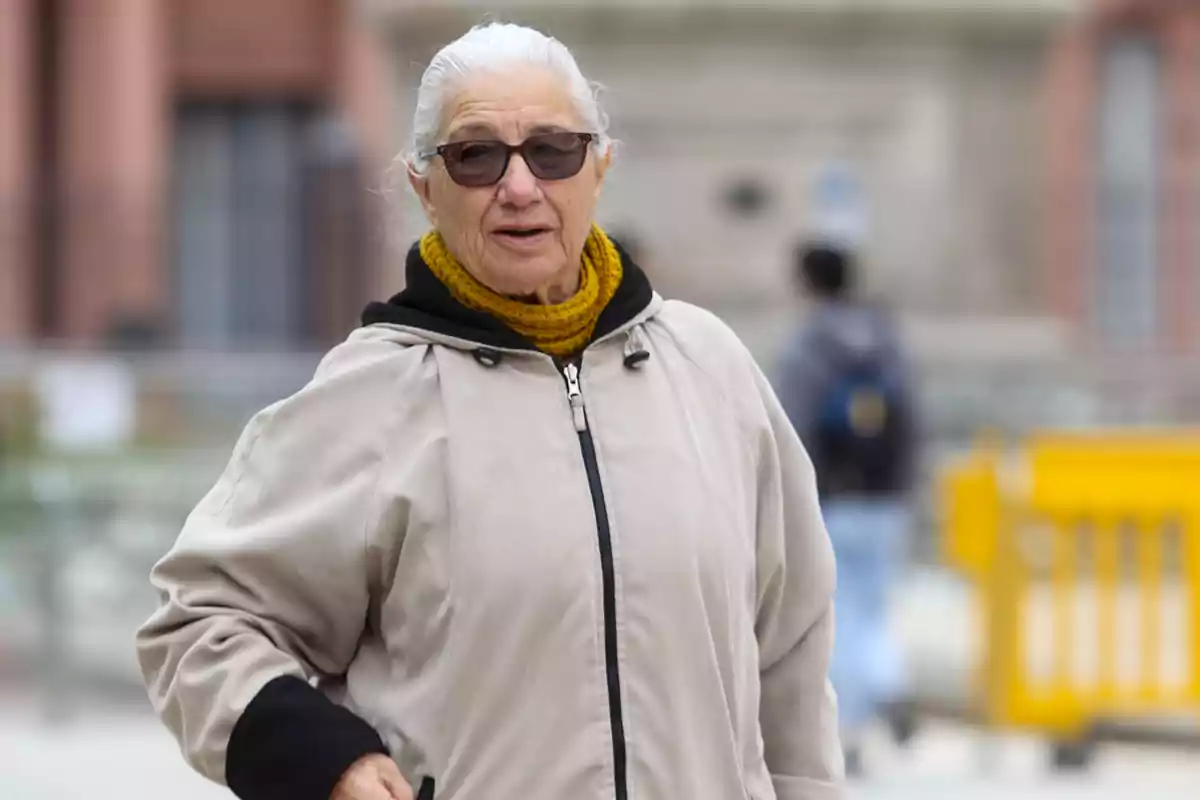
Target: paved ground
106 755
122 756
954 762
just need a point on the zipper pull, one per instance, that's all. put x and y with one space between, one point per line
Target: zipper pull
575 396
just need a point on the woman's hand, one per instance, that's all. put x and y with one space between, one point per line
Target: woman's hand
373 777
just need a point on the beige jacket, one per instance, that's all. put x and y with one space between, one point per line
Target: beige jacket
528 580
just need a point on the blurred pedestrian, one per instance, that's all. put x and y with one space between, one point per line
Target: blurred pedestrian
846 388
531 532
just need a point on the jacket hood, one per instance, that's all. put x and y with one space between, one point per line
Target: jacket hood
427 305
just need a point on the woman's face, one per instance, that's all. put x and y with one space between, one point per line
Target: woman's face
478 223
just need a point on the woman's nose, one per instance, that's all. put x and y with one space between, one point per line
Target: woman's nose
519 186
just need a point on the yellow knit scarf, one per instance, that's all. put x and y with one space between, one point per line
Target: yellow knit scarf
559 330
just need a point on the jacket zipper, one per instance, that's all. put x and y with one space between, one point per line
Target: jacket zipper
587 445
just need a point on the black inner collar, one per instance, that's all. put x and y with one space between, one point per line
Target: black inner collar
427 304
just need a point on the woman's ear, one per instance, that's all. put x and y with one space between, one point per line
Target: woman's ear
420 187
603 162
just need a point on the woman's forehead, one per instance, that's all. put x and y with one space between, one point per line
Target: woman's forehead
519 101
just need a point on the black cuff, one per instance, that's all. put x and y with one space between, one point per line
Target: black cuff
294 743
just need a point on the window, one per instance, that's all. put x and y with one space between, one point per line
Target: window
48 220
241 276
1128 313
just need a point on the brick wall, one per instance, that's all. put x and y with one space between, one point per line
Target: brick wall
238 47
118 68
1073 103
17 303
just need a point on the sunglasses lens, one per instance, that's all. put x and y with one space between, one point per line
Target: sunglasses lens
475 163
550 157
555 156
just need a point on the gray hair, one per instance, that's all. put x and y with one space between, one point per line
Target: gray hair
494 46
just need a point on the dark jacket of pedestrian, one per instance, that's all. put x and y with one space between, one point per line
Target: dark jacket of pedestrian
841 338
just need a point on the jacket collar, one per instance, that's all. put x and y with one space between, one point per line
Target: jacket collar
426 304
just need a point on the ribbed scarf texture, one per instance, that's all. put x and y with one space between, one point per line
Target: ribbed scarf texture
560 330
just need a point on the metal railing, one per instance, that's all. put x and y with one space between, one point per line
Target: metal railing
1085 553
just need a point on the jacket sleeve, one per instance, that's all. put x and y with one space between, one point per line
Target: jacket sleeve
266 590
796 576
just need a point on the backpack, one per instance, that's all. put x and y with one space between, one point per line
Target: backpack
859 416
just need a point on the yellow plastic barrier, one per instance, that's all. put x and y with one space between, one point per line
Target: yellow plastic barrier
1085 551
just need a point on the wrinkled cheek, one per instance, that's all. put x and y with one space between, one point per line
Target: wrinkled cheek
571 242
568 247
476 251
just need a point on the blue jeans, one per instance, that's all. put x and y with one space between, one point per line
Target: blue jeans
870 539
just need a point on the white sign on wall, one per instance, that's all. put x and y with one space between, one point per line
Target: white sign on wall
86 404
839 203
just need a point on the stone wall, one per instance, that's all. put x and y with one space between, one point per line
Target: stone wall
941 122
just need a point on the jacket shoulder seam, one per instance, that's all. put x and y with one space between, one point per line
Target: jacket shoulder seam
686 348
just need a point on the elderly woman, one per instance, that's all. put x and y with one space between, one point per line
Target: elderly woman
531 532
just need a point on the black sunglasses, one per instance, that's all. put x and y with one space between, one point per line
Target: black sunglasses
549 156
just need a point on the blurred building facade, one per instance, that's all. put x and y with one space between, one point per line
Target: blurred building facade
1124 240
190 172
914 128
1024 177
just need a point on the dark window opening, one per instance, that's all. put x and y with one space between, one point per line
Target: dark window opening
48 211
268 225
747 198
1128 285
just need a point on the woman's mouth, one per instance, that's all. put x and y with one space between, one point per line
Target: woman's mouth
522 237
